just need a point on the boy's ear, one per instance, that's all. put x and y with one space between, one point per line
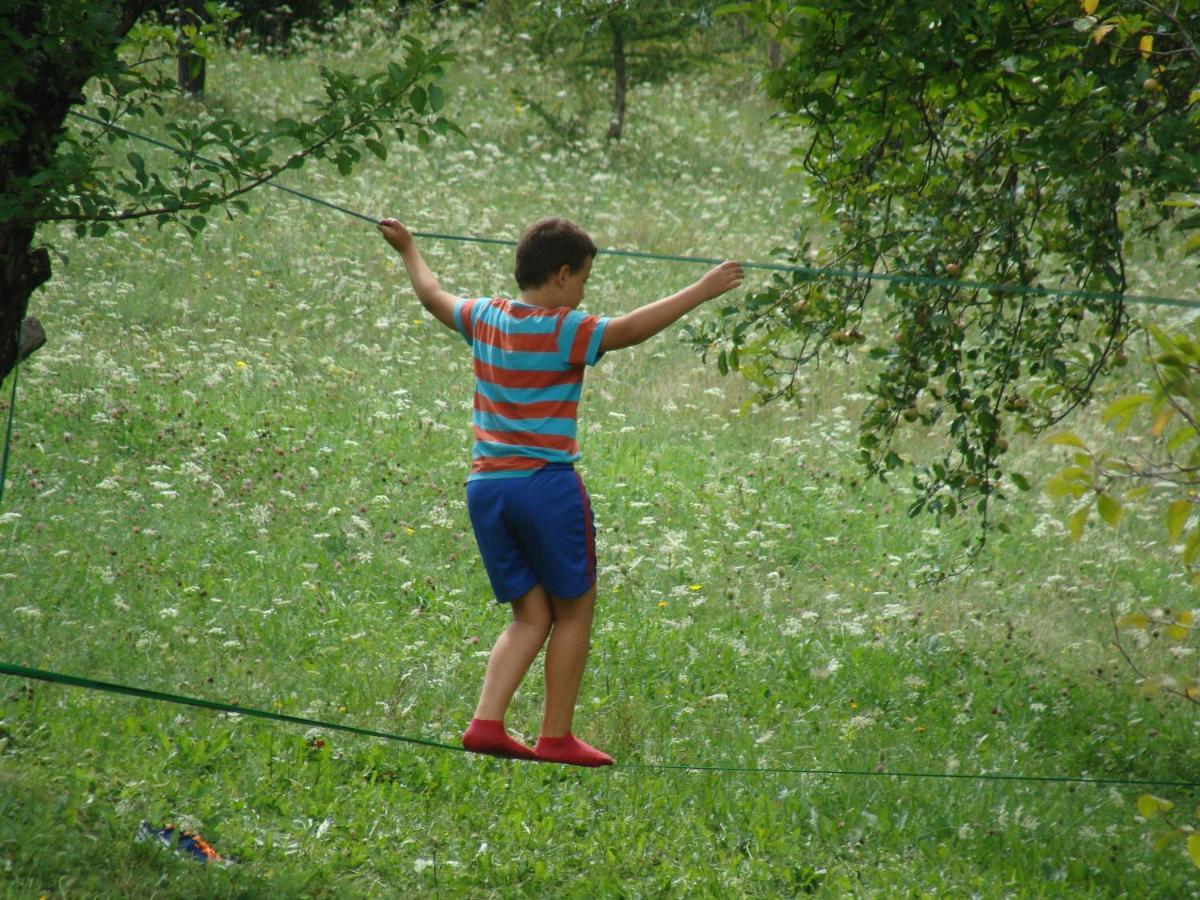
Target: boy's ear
563 273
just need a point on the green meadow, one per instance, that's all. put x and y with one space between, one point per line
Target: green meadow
238 474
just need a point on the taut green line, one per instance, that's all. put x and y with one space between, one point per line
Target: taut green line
810 271
162 696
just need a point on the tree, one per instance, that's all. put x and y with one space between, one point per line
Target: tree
1161 472
998 151
635 42
191 64
51 52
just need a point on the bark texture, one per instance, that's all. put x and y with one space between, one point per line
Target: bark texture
620 80
192 66
62 57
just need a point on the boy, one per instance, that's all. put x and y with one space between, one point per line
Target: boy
529 510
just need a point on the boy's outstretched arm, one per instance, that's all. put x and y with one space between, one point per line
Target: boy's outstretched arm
425 284
647 321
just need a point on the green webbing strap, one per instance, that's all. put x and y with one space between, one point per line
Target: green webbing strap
92 684
810 271
12 411
147 694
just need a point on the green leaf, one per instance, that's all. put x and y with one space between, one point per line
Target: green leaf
1181 630
1150 806
722 363
1161 337
1123 408
1167 838
1138 621
376 147
437 98
1177 516
1073 480
1019 480
1193 848
1161 421
1078 520
1067 439
1191 547
1110 510
1179 438
418 99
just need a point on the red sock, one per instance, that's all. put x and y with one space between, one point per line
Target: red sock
570 750
488 736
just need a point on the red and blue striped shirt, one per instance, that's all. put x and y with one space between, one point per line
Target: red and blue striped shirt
529 364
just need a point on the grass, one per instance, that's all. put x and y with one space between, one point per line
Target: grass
238 475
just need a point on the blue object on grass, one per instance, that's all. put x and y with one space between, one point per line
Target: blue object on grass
188 841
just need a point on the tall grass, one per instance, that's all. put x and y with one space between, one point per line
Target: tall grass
238 475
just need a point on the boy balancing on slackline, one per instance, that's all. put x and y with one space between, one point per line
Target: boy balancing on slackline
528 507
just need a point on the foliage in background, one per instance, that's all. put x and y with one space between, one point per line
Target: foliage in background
266 25
629 43
1158 469
1161 811
52 171
1003 142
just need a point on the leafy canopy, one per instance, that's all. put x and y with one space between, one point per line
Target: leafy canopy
1006 142
217 160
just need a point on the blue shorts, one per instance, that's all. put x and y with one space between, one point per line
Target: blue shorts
535 529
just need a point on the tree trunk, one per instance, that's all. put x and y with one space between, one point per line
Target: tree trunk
25 269
44 91
617 124
191 65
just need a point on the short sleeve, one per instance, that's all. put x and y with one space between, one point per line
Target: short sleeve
579 338
464 312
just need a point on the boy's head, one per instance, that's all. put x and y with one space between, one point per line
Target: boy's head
546 246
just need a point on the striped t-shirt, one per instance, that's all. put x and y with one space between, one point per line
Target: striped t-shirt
528 379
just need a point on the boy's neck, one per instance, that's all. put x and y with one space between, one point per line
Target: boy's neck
539 296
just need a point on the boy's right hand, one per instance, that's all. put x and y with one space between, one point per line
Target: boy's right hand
724 277
395 234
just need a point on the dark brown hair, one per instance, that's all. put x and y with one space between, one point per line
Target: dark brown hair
546 246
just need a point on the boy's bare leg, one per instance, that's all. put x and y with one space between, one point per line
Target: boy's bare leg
566 657
514 652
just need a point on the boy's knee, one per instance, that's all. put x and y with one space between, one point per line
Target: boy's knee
534 610
570 607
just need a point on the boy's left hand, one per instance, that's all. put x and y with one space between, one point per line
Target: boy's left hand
724 277
395 234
